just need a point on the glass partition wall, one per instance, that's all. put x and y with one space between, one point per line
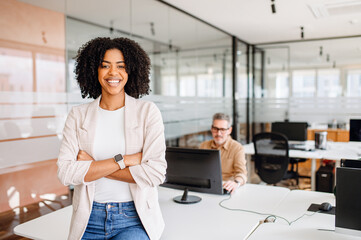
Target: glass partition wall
192 77
191 73
313 81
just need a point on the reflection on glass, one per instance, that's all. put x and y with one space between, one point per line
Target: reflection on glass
50 73
16 70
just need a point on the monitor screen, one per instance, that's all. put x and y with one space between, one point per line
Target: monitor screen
348 199
197 170
355 130
294 131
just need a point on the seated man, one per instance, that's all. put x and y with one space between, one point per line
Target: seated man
234 172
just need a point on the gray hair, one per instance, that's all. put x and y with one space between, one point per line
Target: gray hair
223 116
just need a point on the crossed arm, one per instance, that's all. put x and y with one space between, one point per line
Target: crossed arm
109 168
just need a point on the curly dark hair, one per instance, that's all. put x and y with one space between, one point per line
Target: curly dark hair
90 56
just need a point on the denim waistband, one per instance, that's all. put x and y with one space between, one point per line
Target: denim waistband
108 205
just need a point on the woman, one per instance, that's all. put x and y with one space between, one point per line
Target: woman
113 149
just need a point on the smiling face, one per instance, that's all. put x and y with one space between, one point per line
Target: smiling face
112 75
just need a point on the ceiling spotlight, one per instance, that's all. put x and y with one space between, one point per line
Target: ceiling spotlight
152 31
328 57
302 33
273 6
111 29
321 51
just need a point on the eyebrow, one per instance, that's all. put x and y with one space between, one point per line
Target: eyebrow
110 62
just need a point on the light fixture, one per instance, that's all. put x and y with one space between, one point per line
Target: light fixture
152 31
273 6
328 57
170 45
302 32
111 29
321 51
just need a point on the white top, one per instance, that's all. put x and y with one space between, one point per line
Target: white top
110 141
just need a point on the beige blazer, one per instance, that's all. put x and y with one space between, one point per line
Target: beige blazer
144 132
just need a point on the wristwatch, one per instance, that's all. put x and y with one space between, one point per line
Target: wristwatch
120 160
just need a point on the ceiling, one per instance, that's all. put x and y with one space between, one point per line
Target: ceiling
250 20
254 22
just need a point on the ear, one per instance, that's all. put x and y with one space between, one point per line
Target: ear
230 130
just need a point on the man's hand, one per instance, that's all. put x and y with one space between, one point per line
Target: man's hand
84 156
231 186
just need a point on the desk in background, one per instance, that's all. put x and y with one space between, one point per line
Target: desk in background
335 151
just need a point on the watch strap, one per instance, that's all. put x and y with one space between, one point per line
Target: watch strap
119 160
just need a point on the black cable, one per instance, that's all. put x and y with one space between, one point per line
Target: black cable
269 215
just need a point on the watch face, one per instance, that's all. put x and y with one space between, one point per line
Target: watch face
118 157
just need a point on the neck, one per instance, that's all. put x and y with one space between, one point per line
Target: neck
111 102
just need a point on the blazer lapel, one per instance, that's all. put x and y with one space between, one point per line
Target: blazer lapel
130 119
89 125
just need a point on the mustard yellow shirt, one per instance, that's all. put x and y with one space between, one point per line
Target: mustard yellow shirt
233 159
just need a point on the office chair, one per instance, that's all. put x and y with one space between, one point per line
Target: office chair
293 172
271 156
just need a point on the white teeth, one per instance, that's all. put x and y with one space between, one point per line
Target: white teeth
113 81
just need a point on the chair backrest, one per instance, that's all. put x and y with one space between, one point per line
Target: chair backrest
271 156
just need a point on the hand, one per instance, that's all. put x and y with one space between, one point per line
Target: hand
231 186
84 156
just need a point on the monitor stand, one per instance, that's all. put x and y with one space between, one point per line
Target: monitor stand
187 199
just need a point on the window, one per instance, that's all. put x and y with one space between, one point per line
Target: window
277 85
354 83
328 83
210 85
16 70
187 86
303 83
50 73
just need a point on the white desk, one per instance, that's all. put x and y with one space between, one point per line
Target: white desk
295 205
204 220
335 151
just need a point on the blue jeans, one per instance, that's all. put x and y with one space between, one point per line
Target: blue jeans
114 221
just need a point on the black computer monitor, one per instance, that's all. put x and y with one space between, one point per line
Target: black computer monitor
294 131
348 199
196 170
355 130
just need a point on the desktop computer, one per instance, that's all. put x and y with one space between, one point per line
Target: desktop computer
196 170
348 199
294 131
355 130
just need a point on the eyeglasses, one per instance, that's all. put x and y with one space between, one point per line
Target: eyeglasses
222 130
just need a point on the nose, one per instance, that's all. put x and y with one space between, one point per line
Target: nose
113 71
